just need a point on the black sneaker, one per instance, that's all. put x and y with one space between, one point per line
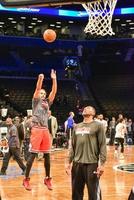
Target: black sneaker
23 172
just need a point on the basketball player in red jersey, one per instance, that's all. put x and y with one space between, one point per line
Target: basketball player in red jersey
40 140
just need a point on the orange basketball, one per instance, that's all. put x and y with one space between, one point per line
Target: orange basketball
49 35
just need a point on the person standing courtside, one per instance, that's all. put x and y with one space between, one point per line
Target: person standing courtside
52 124
39 131
111 127
19 125
119 138
27 128
87 156
14 148
70 125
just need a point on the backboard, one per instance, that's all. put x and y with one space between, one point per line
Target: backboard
39 3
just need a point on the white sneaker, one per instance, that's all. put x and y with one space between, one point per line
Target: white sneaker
116 154
121 156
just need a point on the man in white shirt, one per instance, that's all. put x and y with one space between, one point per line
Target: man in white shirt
119 137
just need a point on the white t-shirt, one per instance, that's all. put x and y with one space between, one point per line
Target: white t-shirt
120 130
104 123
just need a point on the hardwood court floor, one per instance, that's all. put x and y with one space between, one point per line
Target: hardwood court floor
115 185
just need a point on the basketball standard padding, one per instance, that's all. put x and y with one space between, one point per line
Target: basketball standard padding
49 35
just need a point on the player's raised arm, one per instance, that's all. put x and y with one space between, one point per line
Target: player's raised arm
54 86
38 85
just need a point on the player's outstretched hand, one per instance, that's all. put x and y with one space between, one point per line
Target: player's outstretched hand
53 74
41 76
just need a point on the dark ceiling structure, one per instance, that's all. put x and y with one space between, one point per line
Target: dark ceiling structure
125 3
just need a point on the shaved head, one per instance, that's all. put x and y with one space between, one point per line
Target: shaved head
89 111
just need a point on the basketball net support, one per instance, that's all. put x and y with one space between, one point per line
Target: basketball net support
100 12
40 3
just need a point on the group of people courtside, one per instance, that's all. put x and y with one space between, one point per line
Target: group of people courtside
87 152
118 132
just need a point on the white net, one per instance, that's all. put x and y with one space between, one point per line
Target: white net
100 17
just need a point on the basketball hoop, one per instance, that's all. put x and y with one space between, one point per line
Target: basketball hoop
100 17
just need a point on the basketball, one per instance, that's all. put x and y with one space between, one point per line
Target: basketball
49 35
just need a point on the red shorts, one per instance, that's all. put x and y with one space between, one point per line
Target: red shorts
40 140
